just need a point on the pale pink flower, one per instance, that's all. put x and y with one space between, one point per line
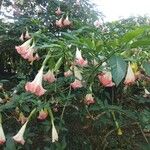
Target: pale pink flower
130 77
78 2
36 85
106 79
49 76
68 73
19 136
22 37
54 134
2 136
27 36
76 84
89 99
58 11
79 59
59 23
42 114
22 49
66 22
97 23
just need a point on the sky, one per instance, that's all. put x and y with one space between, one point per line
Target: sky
115 9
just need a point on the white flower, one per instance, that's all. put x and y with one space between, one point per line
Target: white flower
2 136
54 134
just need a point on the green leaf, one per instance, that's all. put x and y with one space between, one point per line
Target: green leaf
139 43
146 66
118 68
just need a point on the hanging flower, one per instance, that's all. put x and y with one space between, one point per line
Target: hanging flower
2 136
106 79
76 84
42 114
79 59
54 134
36 85
130 77
66 22
89 99
58 11
27 36
19 136
146 93
68 73
22 37
22 49
97 23
59 23
78 2
49 76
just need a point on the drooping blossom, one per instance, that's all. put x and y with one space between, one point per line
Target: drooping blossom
89 99
2 135
146 93
97 23
130 77
76 84
58 11
49 76
21 37
78 2
66 22
68 73
59 23
54 134
22 118
79 59
42 114
22 49
27 36
19 136
36 85
105 79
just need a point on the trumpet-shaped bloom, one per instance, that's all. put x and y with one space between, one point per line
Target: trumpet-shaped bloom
42 114
19 136
54 134
79 59
36 85
106 79
68 73
130 77
89 99
22 49
97 23
59 23
66 22
22 37
2 136
58 11
49 76
76 84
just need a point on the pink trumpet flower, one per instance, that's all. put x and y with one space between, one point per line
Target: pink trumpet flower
2 136
106 79
97 23
89 99
66 22
59 23
42 114
68 73
36 85
76 84
22 49
58 11
49 76
19 136
130 77
79 59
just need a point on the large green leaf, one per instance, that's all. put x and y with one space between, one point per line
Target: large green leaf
141 42
118 68
146 66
